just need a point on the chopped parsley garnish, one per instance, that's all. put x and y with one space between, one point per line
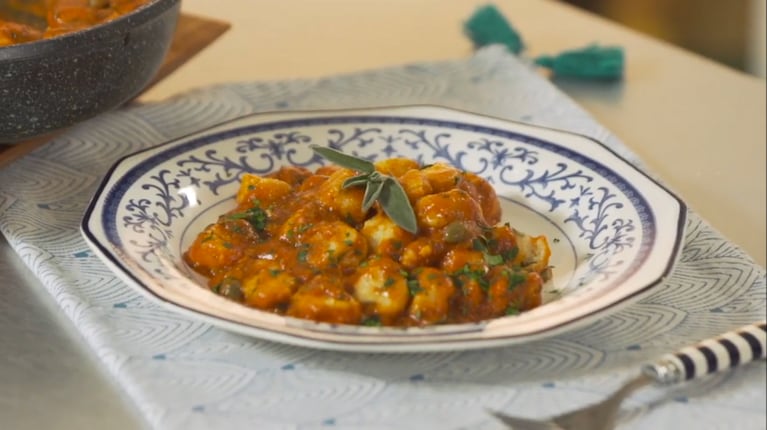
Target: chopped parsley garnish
255 216
414 286
515 278
303 253
229 288
493 259
510 254
372 321
475 275
485 245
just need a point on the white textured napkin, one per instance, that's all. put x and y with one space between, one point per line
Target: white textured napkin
186 374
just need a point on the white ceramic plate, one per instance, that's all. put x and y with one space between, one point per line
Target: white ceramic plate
614 232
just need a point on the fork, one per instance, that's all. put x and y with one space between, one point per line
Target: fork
740 346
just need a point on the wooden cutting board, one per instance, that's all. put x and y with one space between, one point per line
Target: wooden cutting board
193 33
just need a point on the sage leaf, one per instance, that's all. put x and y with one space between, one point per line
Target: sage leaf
397 206
372 192
356 181
256 216
492 259
344 160
378 187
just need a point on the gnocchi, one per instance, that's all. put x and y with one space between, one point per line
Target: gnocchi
300 244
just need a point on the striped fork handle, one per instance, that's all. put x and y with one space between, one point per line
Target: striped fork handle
731 349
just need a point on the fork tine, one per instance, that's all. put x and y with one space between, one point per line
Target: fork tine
598 416
517 423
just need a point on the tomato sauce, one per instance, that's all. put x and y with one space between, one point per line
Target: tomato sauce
56 17
299 244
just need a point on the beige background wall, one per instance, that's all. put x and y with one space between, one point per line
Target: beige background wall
731 32
758 36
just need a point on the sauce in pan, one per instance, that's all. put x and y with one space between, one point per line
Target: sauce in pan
55 17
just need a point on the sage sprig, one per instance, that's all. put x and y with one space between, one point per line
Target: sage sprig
380 188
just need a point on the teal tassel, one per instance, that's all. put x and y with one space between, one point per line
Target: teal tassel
593 62
488 26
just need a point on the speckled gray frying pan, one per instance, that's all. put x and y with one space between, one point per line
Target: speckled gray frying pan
54 83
